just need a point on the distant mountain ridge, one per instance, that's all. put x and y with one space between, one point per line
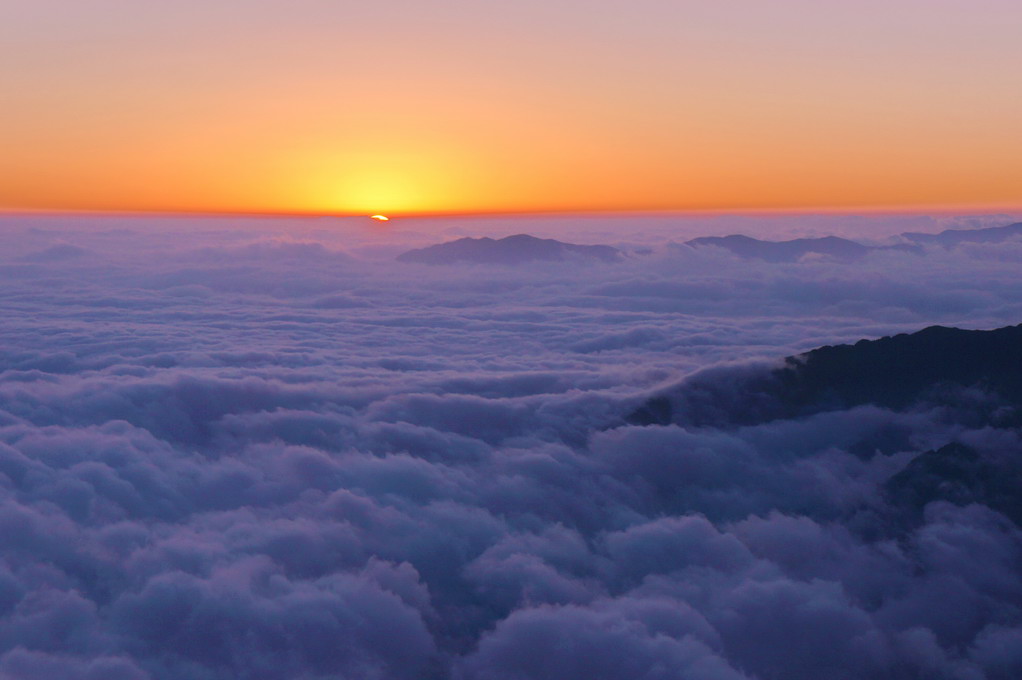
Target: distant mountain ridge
832 247
522 248
511 250
953 237
843 249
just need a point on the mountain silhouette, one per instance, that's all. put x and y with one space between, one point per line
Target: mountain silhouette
930 366
831 247
957 474
953 237
511 250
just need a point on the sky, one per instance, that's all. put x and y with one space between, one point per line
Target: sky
401 107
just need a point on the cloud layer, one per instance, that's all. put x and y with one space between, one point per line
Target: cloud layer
231 454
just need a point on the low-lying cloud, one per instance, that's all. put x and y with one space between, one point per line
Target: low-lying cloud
227 454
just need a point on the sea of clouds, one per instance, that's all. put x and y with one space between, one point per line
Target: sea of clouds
263 449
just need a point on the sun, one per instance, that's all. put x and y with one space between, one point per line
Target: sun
380 184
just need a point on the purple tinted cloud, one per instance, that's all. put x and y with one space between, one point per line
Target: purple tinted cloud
230 454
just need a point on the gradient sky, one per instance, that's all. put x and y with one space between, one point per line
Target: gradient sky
534 105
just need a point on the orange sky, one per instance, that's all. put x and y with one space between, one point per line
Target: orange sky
461 106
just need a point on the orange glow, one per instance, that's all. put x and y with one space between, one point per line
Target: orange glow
473 108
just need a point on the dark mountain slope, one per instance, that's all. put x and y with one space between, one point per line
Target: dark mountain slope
932 365
956 474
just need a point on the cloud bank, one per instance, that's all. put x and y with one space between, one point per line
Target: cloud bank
226 453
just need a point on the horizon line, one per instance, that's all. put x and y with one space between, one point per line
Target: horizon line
928 209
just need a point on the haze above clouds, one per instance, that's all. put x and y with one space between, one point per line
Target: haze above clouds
235 449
